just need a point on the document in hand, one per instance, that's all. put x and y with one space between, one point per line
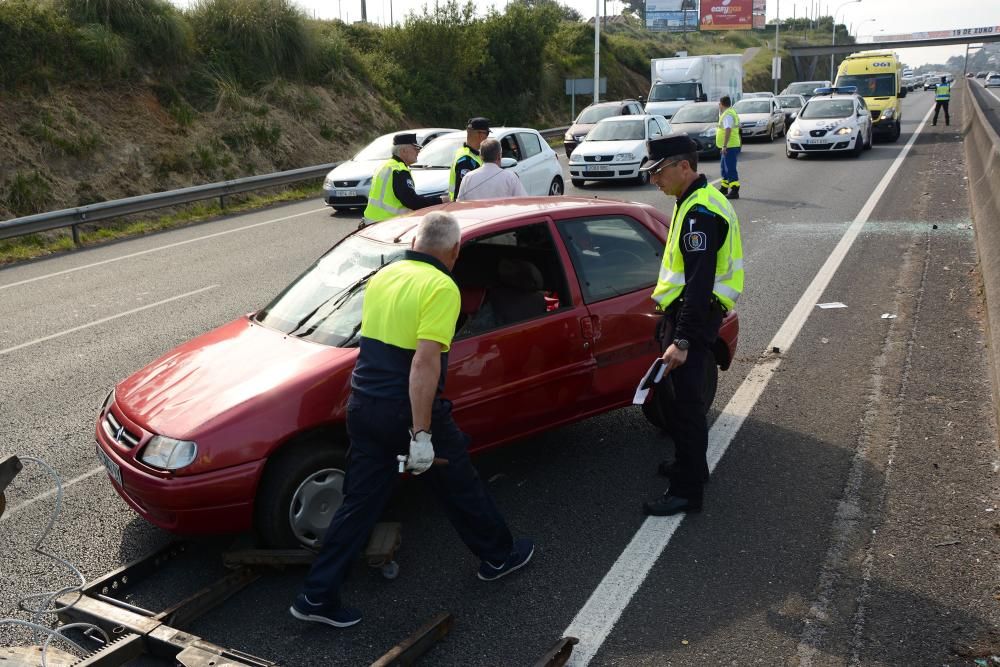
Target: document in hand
652 376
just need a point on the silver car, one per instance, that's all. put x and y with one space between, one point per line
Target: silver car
760 118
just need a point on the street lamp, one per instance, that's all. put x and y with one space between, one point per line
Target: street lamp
857 34
833 32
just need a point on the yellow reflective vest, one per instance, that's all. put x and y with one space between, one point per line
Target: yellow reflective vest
734 136
382 201
728 260
942 92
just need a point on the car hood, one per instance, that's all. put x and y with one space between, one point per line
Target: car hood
223 374
354 171
580 129
667 109
693 128
754 117
610 147
431 181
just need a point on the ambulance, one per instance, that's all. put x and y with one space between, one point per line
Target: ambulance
878 77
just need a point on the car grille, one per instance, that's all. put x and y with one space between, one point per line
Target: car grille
345 184
114 430
876 114
598 158
817 133
816 147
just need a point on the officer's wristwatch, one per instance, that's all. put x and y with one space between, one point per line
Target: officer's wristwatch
682 344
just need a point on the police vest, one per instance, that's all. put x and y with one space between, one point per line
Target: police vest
942 92
734 136
728 260
464 151
382 200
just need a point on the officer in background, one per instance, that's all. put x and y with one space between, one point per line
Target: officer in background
727 139
392 190
942 96
467 157
407 323
700 280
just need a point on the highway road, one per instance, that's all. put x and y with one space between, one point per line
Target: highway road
851 518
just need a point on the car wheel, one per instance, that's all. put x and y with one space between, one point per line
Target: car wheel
301 488
871 140
895 134
789 154
556 187
643 177
858 147
577 182
655 408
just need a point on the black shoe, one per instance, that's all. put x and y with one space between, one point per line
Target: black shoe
933 123
734 193
668 505
724 190
669 469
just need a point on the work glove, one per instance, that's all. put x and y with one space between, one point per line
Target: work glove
421 452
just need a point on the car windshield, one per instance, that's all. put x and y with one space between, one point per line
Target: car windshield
592 115
696 114
789 102
752 106
664 92
380 149
324 303
871 85
827 109
804 87
618 131
439 154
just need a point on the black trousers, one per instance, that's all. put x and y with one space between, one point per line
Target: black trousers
379 430
685 414
942 104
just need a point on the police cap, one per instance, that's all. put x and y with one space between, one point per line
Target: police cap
665 148
478 123
405 139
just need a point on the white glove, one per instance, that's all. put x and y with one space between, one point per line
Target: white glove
421 453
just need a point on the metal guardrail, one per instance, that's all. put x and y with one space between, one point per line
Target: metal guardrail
72 217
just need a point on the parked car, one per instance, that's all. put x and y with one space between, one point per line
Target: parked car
790 106
992 79
347 185
804 88
616 148
760 118
595 113
831 123
698 120
244 426
523 150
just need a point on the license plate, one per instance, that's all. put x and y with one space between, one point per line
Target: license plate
113 469
597 168
347 193
815 141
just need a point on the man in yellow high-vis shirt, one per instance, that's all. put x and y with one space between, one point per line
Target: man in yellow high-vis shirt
727 139
392 192
700 279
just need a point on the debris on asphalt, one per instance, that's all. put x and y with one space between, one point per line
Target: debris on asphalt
948 543
888 316
824 340
933 226
831 304
965 225
776 349
684 641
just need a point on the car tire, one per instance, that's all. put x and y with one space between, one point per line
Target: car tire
859 146
577 182
643 177
315 460
895 134
871 140
790 154
556 187
655 409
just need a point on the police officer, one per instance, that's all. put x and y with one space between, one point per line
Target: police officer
942 96
467 157
727 139
395 407
392 190
700 280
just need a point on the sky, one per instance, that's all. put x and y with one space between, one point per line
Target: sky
890 16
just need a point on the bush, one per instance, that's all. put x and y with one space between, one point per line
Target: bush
105 51
155 29
28 193
37 42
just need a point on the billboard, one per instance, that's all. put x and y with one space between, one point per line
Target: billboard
726 15
672 15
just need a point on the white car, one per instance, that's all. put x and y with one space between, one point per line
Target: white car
522 150
616 148
992 79
347 185
760 118
830 123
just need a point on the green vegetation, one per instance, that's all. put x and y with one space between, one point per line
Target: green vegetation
27 193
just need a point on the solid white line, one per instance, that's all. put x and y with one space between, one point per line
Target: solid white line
158 249
595 621
103 320
51 492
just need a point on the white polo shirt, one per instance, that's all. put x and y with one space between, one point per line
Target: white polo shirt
490 182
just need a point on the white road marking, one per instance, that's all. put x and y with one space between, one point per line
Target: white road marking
51 492
103 320
158 249
595 621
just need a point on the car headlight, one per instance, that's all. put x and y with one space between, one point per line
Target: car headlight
888 113
168 453
795 114
710 132
761 123
328 183
843 130
624 157
108 400
569 137
796 132
367 181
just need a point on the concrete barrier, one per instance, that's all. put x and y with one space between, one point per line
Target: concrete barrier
982 155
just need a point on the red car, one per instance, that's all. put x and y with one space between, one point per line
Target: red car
243 427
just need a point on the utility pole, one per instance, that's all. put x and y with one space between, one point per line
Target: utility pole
364 11
776 65
597 51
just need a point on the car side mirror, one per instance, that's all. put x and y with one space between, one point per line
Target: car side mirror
703 97
507 162
642 99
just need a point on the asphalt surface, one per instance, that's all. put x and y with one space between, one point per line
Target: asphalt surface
853 519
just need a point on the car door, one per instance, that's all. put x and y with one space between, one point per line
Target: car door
520 361
616 259
531 169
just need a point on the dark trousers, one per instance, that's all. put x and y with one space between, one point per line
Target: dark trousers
379 431
942 104
685 414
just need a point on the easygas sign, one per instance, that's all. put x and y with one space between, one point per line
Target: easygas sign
726 15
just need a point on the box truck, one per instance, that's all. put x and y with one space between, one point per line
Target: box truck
678 81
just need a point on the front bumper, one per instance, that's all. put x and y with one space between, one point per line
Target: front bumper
823 144
220 501
346 197
885 126
755 131
608 170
